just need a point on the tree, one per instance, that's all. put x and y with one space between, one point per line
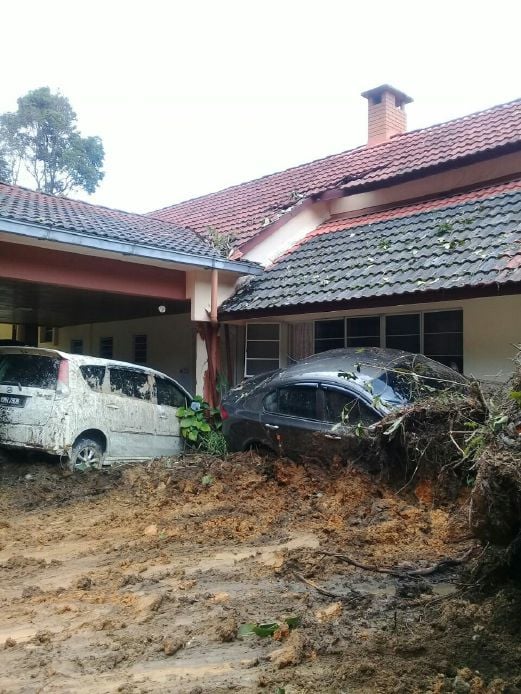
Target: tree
41 138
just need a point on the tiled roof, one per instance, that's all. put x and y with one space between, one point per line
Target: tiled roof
27 206
464 241
246 209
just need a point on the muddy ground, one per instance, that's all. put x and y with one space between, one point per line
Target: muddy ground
137 580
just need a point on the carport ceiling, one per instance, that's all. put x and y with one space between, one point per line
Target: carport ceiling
53 306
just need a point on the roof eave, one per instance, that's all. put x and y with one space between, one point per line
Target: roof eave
138 251
418 297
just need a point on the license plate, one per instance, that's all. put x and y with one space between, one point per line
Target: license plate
12 400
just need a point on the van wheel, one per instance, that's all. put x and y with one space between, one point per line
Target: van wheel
86 454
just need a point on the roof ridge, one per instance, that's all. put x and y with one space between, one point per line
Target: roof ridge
381 145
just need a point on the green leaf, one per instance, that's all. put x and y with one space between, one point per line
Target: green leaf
204 426
293 622
394 427
266 629
207 480
516 395
186 423
246 630
192 436
349 375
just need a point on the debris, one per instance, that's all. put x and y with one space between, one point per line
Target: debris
291 653
226 629
150 530
355 595
398 571
9 643
172 645
84 583
330 612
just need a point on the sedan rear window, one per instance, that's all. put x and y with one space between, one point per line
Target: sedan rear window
29 370
347 409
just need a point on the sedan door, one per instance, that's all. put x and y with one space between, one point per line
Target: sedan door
291 418
344 411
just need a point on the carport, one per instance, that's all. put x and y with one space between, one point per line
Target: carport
68 263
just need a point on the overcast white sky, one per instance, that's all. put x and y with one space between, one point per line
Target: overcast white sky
190 97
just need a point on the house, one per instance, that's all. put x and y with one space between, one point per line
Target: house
112 284
411 241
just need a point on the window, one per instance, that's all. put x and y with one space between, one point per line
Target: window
77 346
403 332
295 401
106 345
437 334
343 407
329 334
443 337
46 334
93 376
129 382
168 393
140 349
262 348
363 332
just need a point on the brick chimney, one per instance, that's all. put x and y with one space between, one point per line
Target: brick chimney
386 113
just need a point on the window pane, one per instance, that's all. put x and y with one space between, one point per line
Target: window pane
168 393
93 375
140 349
329 328
128 382
298 401
324 345
443 322
260 366
444 343
106 347
263 331
342 407
76 346
409 343
363 341
408 324
263 350
364 327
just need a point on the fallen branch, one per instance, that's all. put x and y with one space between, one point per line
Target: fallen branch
400 573
355 595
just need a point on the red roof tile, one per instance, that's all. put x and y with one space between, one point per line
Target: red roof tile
245 209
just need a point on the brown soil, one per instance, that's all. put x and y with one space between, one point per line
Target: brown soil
137 581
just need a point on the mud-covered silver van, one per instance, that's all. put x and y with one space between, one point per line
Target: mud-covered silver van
90 411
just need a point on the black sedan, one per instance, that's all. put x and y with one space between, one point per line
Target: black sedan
314 405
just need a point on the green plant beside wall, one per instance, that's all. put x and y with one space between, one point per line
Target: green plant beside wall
201 427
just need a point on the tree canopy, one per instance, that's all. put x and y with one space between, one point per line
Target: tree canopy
41 139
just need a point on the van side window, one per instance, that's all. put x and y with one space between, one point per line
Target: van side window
93 376
169 394
129 382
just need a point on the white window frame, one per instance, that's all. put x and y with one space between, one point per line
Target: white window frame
246 358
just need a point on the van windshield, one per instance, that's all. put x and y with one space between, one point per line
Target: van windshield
29 370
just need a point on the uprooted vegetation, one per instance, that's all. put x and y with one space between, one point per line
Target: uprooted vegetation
205 573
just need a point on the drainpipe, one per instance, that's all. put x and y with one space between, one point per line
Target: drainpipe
213 296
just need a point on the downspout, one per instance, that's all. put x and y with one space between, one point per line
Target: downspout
213 296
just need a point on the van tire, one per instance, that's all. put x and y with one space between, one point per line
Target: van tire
86 454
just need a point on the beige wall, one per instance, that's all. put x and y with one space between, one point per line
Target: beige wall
491 329
170 343
6 331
